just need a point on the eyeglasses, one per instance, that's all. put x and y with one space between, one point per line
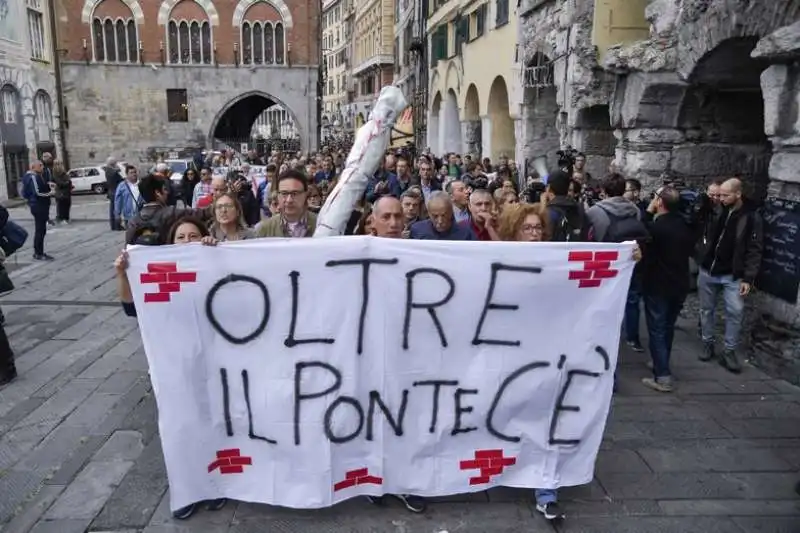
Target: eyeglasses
290 194
529 228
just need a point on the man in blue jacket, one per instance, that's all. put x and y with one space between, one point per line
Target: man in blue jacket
37 193
441 223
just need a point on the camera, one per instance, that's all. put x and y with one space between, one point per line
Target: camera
566 158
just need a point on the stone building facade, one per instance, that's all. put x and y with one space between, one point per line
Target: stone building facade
29 111
708 90
141 78
373 57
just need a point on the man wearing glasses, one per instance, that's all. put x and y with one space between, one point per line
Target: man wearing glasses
295 220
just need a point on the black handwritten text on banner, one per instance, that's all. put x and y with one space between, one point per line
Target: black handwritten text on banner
304 372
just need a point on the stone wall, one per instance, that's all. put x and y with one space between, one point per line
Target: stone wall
121 110
566 113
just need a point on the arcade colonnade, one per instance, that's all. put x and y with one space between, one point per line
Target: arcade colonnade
470 115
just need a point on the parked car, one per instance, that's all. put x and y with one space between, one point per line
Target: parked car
91 179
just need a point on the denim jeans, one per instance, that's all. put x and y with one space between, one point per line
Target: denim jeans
661 313
545 496
631 321
708 289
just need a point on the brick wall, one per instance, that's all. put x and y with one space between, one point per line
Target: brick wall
302 37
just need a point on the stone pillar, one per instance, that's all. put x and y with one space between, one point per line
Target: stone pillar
486 137
3 177
645 115
471 134
30 130
774 341
442 133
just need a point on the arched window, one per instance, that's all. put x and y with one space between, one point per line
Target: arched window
279 44
122 40
115 40
99 42
189 42
247 43
195 42
263 43
110 40
269 45
43 116
9 102
205 30
172 40
183 41
258 44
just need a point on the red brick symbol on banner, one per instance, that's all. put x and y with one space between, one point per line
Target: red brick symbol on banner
596 267
357 477
168 279
490 462
230 462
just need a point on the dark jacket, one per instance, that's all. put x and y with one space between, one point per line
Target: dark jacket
63 185
187 187
424 230
379 181
564 207
160 218
35 190
734 243
113 178
665 257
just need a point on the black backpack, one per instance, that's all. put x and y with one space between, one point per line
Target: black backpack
625 228
566 230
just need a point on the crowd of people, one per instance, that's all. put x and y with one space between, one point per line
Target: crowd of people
460 198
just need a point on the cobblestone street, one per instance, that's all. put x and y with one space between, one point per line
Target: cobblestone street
79 446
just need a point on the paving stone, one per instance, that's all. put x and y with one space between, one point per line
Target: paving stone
502 494
629 508
765 427
28 360
715 460
48 455
731 507
17 442
121 446
477 497
120 382
134 501
649 525
74 462
768 524
61 526
143 418
33 510
663 413
92 411
667 429
93 321
57 407
106 365
85 496
74 370
703 485
15 487
620 461
117 415
18 412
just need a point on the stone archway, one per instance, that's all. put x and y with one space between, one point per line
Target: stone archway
594 136
471 126
501 135
450 125
540 137
722 117
433 124
233 124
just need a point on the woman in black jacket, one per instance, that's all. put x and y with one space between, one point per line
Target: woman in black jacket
63 192
188 182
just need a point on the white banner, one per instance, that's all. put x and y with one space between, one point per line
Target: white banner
304 372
